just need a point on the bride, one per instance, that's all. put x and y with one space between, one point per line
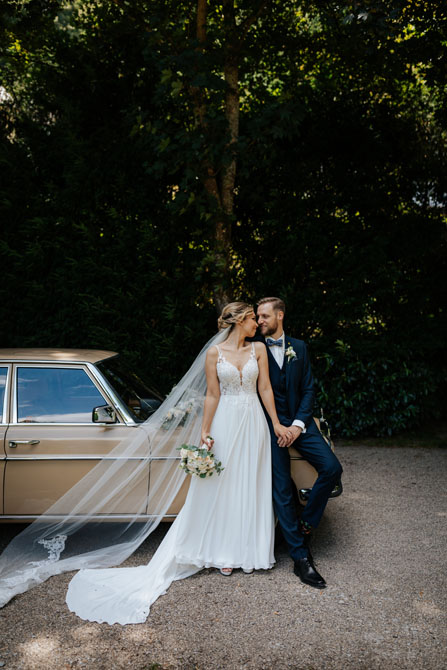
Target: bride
226 522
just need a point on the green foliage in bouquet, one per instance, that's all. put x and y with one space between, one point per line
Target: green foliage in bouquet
198 461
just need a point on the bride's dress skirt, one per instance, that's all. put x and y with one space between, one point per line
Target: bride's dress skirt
226 521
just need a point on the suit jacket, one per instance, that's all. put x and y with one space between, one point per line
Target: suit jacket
299 380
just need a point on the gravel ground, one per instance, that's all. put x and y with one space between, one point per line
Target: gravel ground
381 547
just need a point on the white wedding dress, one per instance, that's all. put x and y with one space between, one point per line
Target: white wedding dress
226 521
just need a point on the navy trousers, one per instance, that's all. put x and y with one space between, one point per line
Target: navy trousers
315 450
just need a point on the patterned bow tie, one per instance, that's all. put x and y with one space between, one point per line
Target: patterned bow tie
273 343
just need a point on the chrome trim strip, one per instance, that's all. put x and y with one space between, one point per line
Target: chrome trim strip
98 517
55 457
68 361
5 410
56 425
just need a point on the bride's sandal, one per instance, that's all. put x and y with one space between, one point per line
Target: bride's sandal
248 571
226 572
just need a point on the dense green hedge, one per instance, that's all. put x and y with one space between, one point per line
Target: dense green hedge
379 396
340 209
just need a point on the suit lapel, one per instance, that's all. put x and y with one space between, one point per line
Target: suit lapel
288 367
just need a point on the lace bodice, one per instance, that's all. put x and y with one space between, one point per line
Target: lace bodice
233 382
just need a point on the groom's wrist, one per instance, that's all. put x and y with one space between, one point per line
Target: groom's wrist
299 424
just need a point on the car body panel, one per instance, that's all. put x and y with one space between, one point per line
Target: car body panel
2 470
65 454
41 459
303 473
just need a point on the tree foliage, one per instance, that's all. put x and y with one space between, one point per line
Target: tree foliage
154 163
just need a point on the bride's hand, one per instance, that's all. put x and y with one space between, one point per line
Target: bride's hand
283 435
208 440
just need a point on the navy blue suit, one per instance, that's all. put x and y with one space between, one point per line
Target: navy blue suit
294 397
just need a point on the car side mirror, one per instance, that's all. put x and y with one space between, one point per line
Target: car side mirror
103 414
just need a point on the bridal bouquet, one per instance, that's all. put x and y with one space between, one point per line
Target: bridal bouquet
198 461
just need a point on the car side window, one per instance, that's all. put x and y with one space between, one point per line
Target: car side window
3 377
56 395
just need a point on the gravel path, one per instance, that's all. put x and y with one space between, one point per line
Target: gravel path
381 548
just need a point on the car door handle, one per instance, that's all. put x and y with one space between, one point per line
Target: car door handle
14 443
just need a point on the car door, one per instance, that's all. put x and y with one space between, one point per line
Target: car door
51 442
4 385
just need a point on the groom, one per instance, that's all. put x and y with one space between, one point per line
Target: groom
292 384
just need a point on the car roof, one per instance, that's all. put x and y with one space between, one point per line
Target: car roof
65 355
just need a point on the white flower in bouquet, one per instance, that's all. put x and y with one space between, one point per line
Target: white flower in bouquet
198 461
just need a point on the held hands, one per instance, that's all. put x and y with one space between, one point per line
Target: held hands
282 433
286 435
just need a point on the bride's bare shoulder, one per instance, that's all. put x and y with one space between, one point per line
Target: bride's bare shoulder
260 348
212 353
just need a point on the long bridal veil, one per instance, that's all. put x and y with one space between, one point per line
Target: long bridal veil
79 530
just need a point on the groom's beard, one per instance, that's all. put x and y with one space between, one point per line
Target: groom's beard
267 331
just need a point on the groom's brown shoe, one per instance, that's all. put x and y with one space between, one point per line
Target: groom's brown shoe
305 570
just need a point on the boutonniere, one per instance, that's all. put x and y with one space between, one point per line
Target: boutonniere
290 353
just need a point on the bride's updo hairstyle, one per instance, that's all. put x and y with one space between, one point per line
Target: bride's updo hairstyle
234 312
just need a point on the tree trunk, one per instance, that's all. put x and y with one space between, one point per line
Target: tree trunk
222 191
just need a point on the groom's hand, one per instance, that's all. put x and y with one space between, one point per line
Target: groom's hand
295 432
283 434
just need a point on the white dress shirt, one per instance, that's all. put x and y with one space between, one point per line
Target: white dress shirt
278 355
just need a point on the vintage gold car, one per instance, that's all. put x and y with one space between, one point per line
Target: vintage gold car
63 410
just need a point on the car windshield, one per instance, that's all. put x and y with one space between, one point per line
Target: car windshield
140 400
